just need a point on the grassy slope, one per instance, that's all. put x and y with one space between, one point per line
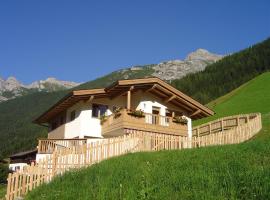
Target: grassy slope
2 191
253 96
225 172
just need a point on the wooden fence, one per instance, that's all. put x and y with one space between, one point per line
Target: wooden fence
23 181
49 145
232 130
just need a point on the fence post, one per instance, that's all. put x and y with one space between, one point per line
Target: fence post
222 125
8 186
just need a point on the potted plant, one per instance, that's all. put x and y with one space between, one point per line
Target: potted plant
180 120
102 118
137 113
117 112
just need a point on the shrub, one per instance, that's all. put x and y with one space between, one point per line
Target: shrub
180 120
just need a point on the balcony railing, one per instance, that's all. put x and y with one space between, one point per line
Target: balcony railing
148 122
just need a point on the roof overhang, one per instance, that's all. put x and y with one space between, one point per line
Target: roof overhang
24 153
156 86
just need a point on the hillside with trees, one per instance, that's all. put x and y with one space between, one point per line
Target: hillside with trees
227 74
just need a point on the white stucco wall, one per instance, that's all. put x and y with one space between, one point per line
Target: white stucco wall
19 166
83 124
41 156
189 126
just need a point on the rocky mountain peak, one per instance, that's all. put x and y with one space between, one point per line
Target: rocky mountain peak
202 54
194 62
14 88
12 83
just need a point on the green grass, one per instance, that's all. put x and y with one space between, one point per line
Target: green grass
223 172
253 96
2 191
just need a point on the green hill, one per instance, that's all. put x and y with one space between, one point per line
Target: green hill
18 133
239 171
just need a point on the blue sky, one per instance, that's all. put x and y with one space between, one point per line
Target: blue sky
82 40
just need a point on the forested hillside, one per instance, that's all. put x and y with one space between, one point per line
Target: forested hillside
227 74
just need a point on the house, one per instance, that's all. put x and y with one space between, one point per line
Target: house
126 106
19 160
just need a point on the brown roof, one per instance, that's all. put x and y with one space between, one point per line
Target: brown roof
153 85
24 153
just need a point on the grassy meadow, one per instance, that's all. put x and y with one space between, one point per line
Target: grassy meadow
239 171
2 191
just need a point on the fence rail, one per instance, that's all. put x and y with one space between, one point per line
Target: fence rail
49 145
234 129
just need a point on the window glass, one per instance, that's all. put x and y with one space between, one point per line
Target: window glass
54 125
72 115
62 120
99 110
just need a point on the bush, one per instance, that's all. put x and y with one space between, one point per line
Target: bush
3 173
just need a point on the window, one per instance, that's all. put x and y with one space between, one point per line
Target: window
72 115
168 113
99 110
54 125
62 121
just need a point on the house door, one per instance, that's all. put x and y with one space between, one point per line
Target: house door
155 115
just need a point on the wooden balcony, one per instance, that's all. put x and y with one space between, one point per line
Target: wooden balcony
47 146
115 123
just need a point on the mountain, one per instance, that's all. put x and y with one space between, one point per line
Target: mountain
18 133
194 62
11 87
169 70
174 69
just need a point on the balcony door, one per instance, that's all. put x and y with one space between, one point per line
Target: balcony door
155 114
99 110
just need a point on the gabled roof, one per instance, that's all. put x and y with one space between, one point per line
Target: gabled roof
24 153
152 85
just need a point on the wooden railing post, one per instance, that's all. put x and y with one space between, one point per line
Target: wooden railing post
39 145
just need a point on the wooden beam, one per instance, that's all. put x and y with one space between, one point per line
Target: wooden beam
128 99
122 92
150 89
179 104
90 99
195 113
170 99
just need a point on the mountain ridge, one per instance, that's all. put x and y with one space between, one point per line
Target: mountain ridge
12 88
167 70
